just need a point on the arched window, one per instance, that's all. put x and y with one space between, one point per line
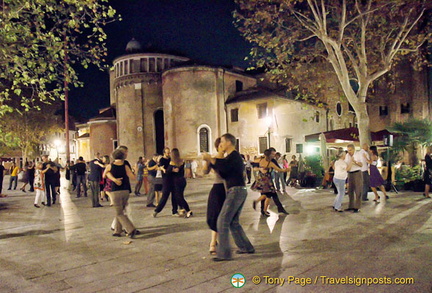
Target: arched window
204 140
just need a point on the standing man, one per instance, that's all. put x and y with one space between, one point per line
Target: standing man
14 176
365 170
81 168
231 169
152 170
95 178
2 172
50 180
279 176
354 178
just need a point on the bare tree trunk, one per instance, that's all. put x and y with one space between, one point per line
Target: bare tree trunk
363 124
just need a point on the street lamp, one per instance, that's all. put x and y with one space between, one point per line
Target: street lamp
269 121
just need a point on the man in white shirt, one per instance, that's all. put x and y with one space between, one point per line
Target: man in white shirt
365 170
355 180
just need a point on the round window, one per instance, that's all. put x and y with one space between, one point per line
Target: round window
339 109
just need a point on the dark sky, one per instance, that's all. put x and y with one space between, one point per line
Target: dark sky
202 30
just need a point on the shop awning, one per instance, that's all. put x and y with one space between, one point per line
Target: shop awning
345 135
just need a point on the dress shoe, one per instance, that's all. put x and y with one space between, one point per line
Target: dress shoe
245 251
150 205
356 210
348 209
133 233
36 206
188 214
218 259
116 234
284 212
99 206
366 199
155 214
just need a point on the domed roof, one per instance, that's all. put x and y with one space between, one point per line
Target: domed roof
133 46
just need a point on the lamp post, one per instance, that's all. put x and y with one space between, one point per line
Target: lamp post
269 123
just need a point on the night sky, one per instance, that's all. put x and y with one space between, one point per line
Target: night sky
202 30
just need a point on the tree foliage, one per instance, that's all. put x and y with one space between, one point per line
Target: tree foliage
42 41
361 39
412 134
27 130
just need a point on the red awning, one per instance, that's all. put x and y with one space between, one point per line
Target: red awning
345 134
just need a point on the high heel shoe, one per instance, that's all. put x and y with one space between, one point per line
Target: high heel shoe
188 214
212 250
266 214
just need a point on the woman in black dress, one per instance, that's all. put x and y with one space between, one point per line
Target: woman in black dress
215 202
176 170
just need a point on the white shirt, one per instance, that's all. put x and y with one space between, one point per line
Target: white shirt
340 170
357 157
365 166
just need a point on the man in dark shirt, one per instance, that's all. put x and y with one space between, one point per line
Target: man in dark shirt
152 169
95 179
50 180
231 169
81 168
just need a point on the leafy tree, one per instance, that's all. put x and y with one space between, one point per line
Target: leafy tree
360 39
412 134
41 41
26 130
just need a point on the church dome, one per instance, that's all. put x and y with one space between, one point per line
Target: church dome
133 46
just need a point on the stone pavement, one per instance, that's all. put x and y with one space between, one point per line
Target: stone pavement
69 248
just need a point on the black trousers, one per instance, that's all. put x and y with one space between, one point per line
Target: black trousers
167 189
31 182
50 192
276 200
1 184
178 192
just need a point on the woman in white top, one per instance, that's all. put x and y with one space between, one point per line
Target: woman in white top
341 169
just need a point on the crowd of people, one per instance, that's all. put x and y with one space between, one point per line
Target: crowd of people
109 178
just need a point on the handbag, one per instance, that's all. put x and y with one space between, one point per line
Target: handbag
21 176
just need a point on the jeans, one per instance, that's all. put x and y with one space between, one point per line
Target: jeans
81 179
228 220
15 180
340 186
50 192
279 176
95 190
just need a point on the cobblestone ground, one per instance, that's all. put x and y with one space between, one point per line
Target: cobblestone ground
69 248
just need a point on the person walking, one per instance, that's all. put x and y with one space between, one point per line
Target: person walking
427 174
50 180
376 180
176 168
365 170
294 164
167 185
94 179
25 178
2 173
264 184
81 168
14 170
215 200
230 168
39 184
139 167
355 180
31 175
341 169
151 166
121 174
194 166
